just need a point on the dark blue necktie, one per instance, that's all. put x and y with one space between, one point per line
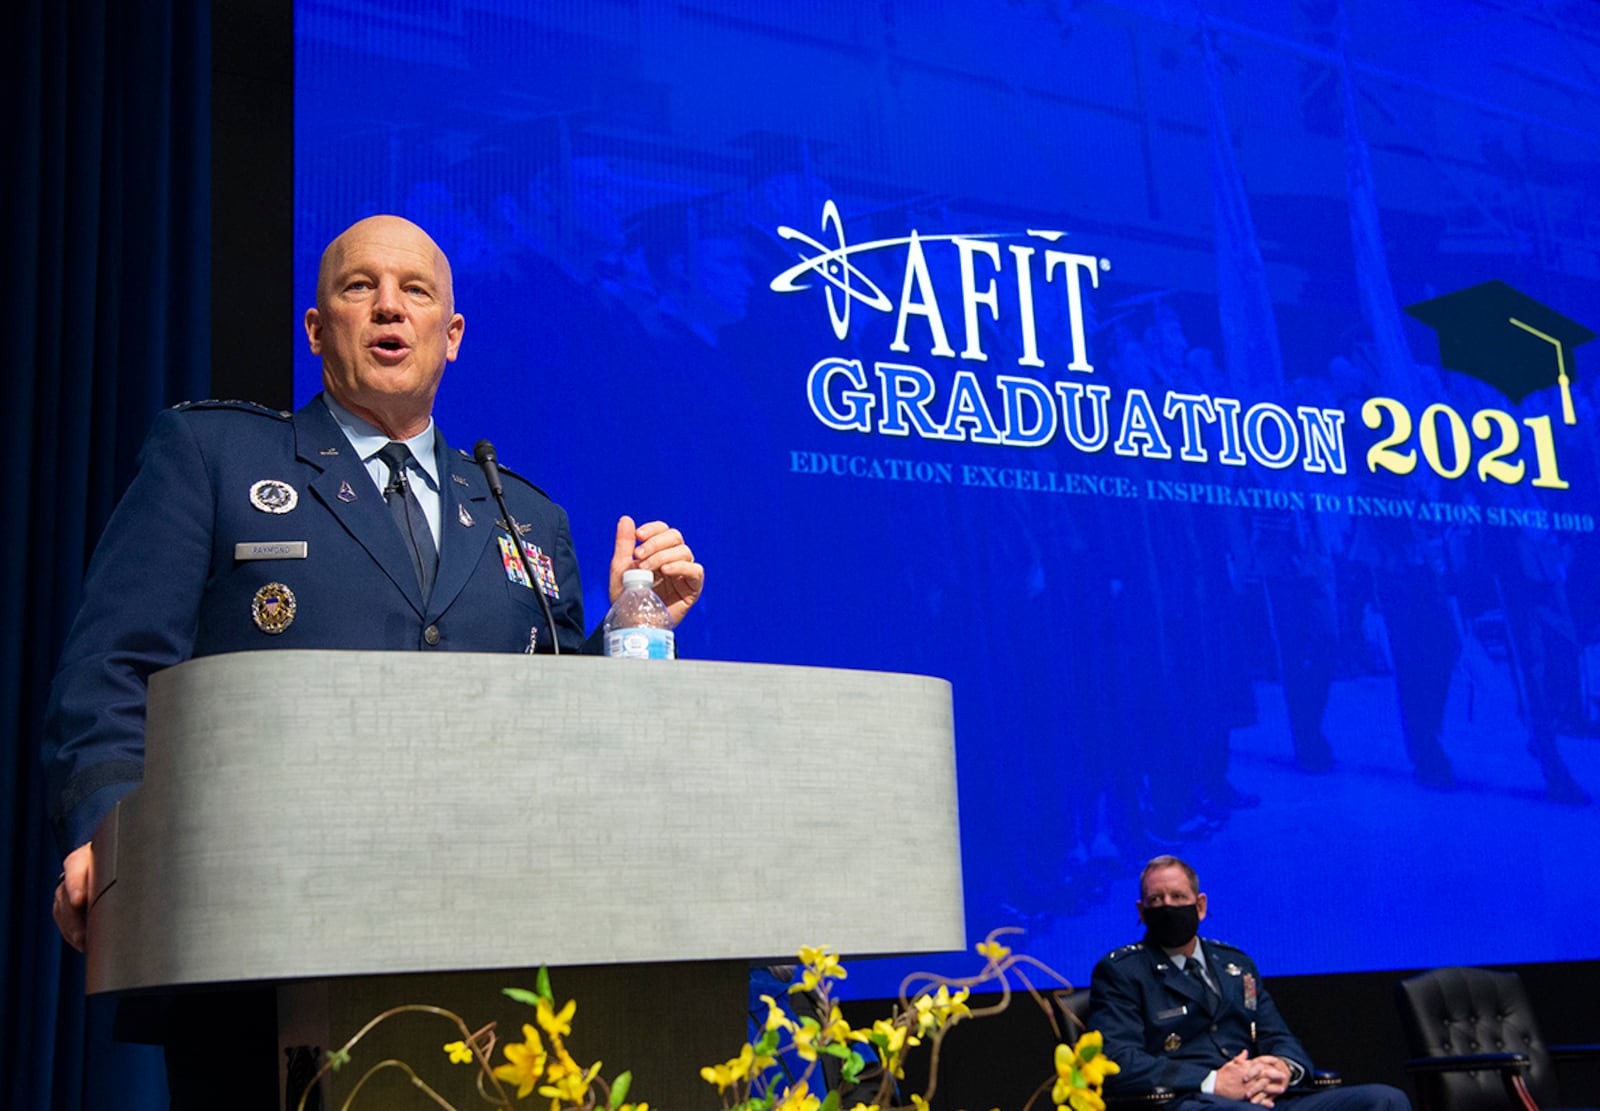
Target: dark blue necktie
1197 973
408 515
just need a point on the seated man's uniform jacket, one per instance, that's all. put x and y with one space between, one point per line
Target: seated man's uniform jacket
1161 1026
165 583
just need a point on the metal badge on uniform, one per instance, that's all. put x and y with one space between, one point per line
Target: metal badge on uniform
273 608
1249 992
329 451
533 640
272 496
1172 1044
1233 969
459 481
463 516
346 494
522 529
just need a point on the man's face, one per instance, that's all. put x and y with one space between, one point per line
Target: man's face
384 323
1170 886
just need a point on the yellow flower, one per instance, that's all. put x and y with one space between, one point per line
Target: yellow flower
1080 1071
525 1062
837 1030
993 950
918 1102
568 1082
805 1040
923 1106
553 1023
776 1019
740 1068
798 1098
820 965
459 1053
941 1009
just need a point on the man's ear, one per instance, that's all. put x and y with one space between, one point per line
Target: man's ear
1200 905
314 331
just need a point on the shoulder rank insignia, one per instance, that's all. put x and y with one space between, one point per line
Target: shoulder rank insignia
271 495
272 609
1172 1044
1233 969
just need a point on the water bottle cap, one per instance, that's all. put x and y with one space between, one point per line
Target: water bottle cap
638 576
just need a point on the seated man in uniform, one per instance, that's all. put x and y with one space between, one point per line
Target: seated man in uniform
1192 1015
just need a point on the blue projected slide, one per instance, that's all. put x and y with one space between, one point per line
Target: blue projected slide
1209 397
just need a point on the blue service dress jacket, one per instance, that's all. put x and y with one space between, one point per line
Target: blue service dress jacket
181 571
1162 1027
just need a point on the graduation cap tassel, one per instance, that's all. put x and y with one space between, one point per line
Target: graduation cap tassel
1567 413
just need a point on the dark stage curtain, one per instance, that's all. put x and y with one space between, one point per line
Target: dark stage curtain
107 216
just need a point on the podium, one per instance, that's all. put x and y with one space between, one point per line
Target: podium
364 828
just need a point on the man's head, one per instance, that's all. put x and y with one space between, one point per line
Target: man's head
385 322
1171 904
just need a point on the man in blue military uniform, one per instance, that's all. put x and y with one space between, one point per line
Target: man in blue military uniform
349 524
1192 1015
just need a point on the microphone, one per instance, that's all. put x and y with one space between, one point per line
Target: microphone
483 454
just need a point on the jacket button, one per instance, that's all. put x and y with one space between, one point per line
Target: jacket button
431 635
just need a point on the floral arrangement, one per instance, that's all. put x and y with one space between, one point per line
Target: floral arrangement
866 1066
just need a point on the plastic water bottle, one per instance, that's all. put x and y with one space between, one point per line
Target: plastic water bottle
639 626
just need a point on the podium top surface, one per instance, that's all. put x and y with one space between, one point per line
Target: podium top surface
310 814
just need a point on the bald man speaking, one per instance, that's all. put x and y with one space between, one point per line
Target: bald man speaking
349 524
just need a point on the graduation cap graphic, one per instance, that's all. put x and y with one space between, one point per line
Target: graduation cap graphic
1505 338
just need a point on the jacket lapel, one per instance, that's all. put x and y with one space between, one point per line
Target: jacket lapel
1179 982
346 491
466 523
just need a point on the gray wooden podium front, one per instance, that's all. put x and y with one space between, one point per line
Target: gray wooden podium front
353 826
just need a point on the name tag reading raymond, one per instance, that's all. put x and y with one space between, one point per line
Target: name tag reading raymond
270 549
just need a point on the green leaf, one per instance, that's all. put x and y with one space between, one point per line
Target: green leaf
880 1041
832 1102
619 1090
1088 1053
852 1068
338 1058
542 985
522 995
836 1050
768 1043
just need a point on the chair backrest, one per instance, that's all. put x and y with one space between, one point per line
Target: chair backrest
1460 1011
1075 1004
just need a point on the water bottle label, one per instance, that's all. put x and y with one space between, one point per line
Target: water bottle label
641 644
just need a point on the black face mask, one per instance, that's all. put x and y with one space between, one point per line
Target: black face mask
1172 926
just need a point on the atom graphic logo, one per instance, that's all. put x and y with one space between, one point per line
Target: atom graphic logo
845 283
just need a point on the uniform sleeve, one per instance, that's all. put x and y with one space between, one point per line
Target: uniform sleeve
1117 1010
140 606
1273 1036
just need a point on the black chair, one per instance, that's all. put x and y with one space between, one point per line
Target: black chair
1476 1044
1075 1004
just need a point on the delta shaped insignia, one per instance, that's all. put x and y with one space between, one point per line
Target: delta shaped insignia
271 495
273 608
